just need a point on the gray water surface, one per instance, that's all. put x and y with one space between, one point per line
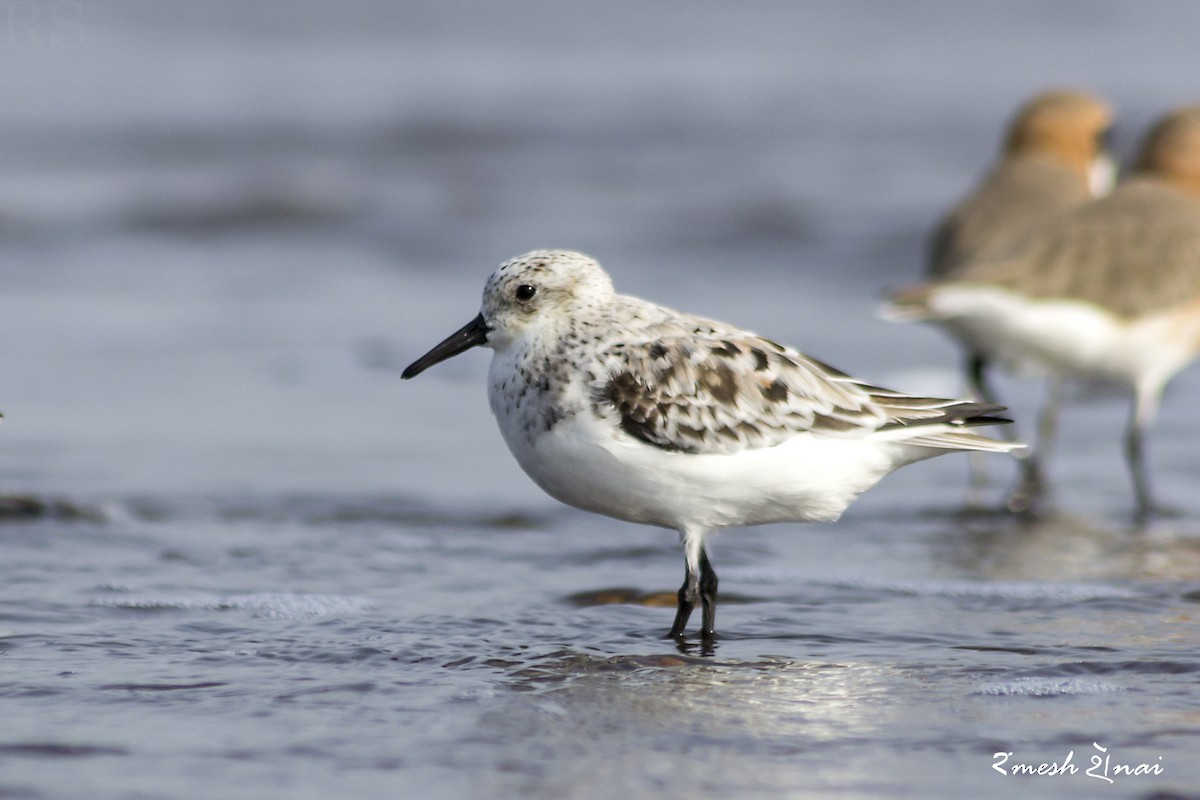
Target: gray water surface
240 558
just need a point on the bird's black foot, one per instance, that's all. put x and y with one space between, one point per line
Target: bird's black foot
683 611
697 586
1148 510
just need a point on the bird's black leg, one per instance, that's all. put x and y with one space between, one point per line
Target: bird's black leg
708 597
976 370
688 593
1135 457
981 389
1030 491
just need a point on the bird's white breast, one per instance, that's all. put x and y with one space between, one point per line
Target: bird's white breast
1067 336
586 461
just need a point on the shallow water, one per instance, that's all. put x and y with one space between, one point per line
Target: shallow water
244 559
350 646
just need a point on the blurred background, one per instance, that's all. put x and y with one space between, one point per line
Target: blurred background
224 226
227 225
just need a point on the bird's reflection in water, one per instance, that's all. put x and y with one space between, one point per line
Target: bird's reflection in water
1062 546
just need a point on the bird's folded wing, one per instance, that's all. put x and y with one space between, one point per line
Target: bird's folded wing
713 391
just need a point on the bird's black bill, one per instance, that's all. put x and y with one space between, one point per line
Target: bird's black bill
473 334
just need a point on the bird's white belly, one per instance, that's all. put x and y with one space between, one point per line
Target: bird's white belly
589 463
1068 337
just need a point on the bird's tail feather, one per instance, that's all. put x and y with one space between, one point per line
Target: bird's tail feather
964 440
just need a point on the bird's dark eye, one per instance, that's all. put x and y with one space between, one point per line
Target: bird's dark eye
525 292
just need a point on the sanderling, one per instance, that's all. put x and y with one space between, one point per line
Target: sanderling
618 406
1109 292
1055 158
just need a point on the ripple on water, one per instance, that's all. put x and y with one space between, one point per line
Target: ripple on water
58 750
321 510
982 590
268 605
1085 677
1048 687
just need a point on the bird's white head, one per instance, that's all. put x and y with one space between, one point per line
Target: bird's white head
543 289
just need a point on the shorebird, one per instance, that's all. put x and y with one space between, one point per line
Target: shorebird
1054 159
1109 292
625 408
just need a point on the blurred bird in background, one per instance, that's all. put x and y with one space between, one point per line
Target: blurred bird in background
1108 292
